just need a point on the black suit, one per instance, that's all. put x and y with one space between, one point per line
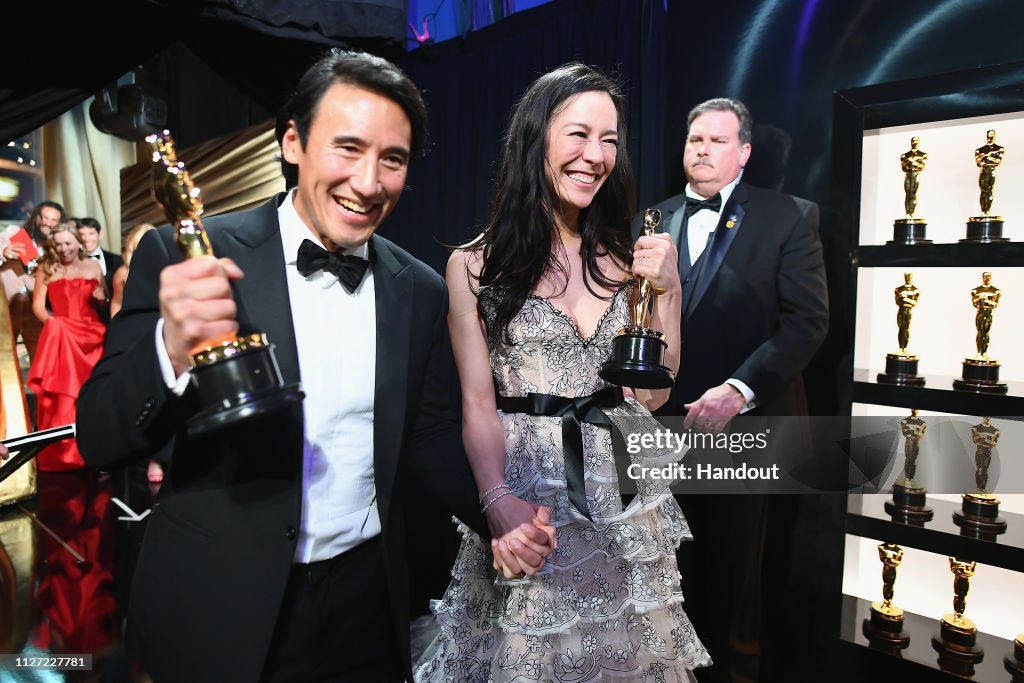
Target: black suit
756 312
221 539
111 262
762 313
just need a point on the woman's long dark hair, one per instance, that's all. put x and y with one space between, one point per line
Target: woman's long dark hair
517 244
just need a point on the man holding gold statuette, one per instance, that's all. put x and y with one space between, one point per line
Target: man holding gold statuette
277 549
755 310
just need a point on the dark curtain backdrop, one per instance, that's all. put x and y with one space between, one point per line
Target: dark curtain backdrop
471 85
65 54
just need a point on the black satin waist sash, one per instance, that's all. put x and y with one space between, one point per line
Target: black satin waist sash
573 411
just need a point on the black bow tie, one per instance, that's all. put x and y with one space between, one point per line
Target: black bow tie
713 202
96 256
347 268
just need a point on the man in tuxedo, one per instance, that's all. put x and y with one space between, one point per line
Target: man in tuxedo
18 280
276 550
754 312
89 229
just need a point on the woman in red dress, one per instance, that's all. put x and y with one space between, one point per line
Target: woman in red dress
71 342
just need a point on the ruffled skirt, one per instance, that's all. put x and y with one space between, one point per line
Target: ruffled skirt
607 604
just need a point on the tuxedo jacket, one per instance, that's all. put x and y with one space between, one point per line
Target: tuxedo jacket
111 262
756 310
221 538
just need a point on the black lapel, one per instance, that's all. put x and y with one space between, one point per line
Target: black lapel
729 223
393 291
262 295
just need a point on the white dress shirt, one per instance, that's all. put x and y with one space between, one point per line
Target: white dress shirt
98 256
336 337
699 229
701 224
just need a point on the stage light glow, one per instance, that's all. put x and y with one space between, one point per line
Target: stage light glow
801 39
749 43
944 12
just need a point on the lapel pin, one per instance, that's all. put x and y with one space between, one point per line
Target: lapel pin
731 223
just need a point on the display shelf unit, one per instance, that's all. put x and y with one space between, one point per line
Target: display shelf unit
958 255
867 518
939 101
939 395
919 661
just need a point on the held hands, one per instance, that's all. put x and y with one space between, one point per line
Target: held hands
197 306
521 536
713 410
655 259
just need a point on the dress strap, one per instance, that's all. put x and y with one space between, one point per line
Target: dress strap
573 412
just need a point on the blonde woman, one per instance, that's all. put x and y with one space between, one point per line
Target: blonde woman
71 342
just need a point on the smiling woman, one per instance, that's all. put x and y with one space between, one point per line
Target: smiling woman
535 303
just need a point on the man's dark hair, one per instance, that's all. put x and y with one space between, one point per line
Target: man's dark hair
90 223
353 68
32 224
726 104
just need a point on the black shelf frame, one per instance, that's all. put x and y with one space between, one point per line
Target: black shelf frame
939 395
961 255
919 661
940 535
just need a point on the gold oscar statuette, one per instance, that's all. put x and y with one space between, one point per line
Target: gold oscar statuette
956 640
235 378
638 352
885 627
978 516
986 227
911 229
909 498
981 373
901 367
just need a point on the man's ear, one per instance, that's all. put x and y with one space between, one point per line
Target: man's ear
291 144
744 154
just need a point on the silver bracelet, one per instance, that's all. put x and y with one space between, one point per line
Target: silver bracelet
492 501
483 496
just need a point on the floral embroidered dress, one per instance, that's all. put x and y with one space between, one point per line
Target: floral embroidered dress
607 605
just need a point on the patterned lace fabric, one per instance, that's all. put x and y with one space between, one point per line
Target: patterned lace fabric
607 605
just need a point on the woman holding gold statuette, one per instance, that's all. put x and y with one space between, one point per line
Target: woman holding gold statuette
536 301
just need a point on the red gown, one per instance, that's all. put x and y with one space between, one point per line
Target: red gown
70 344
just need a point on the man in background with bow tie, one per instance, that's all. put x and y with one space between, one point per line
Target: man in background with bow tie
277 551
89 229
755 310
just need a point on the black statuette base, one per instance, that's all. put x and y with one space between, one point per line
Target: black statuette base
909 231
1014 663
985 230
237 388
979 519
637 361
981 377
901 370
908 506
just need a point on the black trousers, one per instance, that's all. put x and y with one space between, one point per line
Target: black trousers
336 622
